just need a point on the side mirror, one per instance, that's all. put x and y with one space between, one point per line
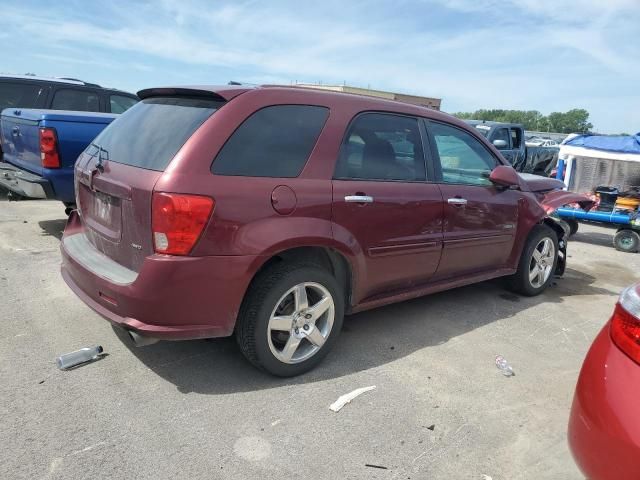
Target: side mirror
504 176
500 144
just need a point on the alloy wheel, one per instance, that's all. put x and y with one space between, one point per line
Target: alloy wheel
542 261
301 322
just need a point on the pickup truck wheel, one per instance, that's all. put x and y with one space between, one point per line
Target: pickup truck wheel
537 263
290 318
626 240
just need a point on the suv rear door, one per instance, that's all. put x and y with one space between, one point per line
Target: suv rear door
480 220
383 203
116 174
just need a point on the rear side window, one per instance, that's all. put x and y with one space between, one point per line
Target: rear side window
19 95
76 100
121 103
150 133
273 142
381 146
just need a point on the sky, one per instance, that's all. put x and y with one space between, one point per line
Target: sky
546 55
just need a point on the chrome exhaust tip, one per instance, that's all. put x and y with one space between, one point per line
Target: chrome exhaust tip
140 340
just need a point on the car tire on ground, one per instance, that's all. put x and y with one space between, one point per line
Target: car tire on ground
290 318
573 226
537 263
626 240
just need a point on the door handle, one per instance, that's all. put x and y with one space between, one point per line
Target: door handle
458 202
358 199
15 131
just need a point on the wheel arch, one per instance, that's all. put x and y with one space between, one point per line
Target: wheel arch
328 258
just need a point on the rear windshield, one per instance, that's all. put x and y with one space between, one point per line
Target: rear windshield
150 133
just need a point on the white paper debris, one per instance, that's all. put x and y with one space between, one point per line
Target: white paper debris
486 477
346 398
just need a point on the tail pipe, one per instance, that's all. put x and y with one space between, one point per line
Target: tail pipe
140 340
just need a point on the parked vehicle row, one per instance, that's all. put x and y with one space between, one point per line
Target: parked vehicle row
46 123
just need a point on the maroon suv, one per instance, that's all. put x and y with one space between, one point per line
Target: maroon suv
271 212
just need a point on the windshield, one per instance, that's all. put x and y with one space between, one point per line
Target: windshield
150 133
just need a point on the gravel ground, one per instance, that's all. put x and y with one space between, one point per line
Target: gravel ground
197 409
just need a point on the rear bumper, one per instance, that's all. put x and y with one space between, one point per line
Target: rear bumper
170 298
24 183
604 426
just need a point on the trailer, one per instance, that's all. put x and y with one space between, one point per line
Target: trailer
608 166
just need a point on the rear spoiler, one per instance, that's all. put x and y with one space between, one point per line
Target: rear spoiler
222 93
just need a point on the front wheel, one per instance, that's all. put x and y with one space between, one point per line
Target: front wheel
290 318
537 263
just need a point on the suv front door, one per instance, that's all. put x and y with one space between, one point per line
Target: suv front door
480 219
384 206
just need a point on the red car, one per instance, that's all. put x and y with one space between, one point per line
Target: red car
604 427
271 212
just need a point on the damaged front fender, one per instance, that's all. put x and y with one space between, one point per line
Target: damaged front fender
553 200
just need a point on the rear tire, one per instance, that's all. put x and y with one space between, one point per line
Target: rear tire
626 240
290 318
537 264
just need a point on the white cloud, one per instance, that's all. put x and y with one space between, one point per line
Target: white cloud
502 53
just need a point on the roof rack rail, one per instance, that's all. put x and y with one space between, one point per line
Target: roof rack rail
78 80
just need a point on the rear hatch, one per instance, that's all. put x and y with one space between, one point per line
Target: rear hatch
116 174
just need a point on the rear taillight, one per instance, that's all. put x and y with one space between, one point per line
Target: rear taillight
178 220
49 155
625 323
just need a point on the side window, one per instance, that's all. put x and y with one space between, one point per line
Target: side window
120 103
463 159
502 134
20 95
77 100
516 138
273 142
382 146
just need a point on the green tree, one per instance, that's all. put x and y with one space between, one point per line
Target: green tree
576 120
573 121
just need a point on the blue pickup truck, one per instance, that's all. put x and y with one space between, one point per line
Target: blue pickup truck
40 149
509 138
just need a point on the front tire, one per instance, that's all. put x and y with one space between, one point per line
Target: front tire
537 264
290 318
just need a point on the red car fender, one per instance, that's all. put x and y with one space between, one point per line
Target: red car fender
553 200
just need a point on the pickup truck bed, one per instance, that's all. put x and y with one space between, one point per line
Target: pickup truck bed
21 169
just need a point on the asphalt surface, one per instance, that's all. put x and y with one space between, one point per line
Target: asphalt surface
198 410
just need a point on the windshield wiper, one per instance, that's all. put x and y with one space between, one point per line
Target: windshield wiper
100 151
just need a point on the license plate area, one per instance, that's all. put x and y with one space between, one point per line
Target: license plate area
102 213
